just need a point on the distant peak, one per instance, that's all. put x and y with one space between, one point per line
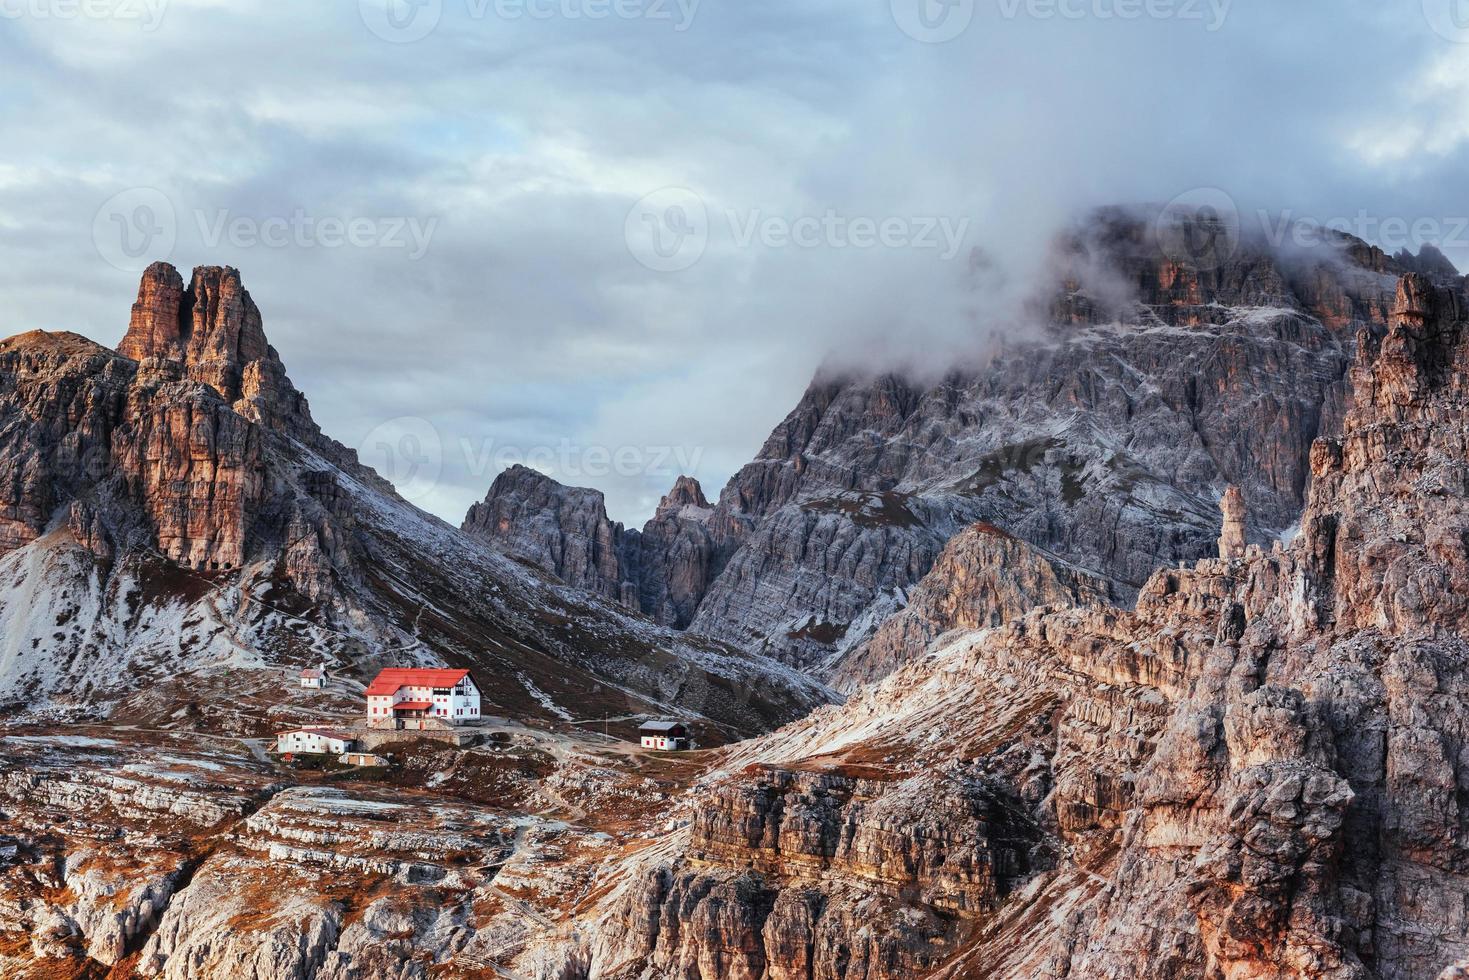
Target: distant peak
686 492
213 330
1430 261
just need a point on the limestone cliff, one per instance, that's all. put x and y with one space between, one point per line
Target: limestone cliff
985 577
171 510
1255 774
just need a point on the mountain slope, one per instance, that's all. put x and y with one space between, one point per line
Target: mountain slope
174 511
1105 440
1257 773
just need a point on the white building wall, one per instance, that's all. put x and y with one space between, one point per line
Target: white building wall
460 705
310 743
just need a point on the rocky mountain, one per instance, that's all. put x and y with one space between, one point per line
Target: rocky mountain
564 530
984 577
1257 772
170 514
1162 373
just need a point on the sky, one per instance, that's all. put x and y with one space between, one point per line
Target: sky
614 239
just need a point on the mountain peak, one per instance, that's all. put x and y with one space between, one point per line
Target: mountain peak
213 330
213 327
686 492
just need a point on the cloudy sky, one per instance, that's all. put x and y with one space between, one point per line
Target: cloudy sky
616 237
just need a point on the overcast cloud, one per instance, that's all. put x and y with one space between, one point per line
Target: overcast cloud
436 205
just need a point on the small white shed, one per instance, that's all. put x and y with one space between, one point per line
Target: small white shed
314 677
664 735
314 741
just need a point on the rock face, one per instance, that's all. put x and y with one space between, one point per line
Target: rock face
678 555
172 509
1232 535
1257 773
985 577
564 530
664 570
1105 438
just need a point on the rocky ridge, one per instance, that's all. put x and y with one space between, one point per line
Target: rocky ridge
1255 773
171 510
1160 378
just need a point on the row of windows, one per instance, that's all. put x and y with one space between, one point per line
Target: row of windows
440 710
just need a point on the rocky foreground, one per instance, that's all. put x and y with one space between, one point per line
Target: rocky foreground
1258 772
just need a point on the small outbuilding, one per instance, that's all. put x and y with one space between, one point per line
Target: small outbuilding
313 677
669 736
314 741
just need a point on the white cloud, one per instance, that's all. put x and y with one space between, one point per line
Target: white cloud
529 323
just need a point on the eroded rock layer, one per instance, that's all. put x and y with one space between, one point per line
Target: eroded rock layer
1256 773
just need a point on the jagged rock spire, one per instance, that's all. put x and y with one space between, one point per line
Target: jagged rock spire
1232 537
213 329
686 492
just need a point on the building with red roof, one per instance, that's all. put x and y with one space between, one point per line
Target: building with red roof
422 698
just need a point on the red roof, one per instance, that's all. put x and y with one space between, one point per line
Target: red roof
413 705
388 681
